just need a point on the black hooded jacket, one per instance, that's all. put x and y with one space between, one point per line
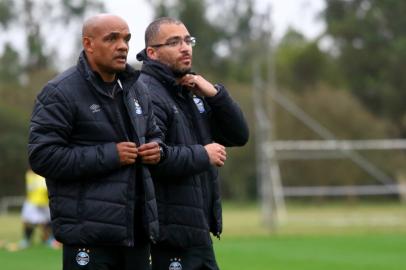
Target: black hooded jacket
74 129
186 184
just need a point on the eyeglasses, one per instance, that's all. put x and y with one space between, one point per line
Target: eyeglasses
177 41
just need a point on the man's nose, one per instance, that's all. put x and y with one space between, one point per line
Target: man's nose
123 45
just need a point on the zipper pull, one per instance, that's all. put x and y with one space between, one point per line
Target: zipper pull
119 84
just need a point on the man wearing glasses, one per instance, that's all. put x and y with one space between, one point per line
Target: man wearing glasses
198 120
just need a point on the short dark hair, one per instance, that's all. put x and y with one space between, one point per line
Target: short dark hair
153 28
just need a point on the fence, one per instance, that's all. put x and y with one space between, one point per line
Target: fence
8 202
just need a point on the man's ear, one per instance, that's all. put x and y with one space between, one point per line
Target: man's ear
151 53
87 44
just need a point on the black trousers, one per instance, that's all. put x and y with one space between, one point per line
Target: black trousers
106 258
201 258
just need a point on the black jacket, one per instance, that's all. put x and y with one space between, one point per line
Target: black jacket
74 129
186 184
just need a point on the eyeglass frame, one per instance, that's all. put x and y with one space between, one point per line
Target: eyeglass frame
176 41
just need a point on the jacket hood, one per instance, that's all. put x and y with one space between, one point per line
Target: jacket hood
157 70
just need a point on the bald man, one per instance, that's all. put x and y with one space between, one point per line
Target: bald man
92 135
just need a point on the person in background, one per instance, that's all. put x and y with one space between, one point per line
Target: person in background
199 120
35 210
35 213
92 135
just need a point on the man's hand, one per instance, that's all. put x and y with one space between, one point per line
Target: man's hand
149 153
217 154
199 85
127 152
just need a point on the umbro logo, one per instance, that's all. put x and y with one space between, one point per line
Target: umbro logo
95 108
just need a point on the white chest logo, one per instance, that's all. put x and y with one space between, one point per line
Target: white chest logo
175 109
138 109
175 264
199 104
82 258
94 108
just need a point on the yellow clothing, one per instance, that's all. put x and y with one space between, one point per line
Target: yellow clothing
37 193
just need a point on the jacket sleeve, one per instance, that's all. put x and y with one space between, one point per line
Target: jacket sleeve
51 153
181 160
153 133
227 121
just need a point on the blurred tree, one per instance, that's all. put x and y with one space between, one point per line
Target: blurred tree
348 121
35 43
13 145
245 45
301 65
31 19
21 78
6 12
10 67
370 43
16 104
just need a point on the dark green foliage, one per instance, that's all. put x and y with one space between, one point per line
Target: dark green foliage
6 12
21 79
343 115
370 38
16 104
13 145
10 67
301 65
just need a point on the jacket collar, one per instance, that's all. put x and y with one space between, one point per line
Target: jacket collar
127 77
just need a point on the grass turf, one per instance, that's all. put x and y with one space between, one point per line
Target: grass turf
355 252
350 237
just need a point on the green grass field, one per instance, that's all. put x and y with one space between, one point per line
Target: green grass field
331 237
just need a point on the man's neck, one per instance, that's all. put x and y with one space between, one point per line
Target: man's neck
108 78
105 76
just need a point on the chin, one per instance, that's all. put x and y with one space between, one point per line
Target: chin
180 72
120 68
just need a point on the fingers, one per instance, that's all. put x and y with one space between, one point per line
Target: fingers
149 153
151 159
217 154
199 85
222 156
127 152
189 80
148 146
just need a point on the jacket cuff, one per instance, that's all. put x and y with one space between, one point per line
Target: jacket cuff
202 157
219 97
111 159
